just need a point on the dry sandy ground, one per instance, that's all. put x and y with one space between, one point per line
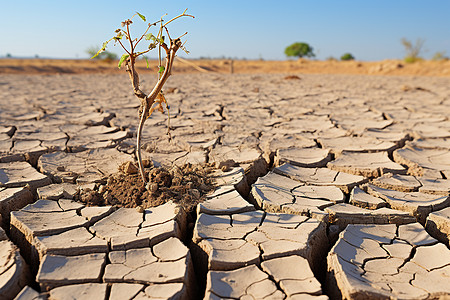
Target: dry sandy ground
386 67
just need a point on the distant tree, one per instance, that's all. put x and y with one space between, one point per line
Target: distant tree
347 56
299 50
8 55
413 51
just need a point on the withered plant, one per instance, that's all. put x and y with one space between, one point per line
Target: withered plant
155 99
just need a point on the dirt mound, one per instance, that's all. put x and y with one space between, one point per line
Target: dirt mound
186 186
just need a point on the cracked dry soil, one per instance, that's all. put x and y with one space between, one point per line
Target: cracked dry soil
341 183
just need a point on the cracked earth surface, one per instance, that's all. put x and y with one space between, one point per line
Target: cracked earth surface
328 187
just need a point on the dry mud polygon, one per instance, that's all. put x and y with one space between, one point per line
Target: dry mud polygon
330 186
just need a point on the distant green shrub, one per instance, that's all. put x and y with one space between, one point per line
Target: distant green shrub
411 59
347 56
299 50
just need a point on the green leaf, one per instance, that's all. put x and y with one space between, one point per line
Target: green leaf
122 59
161 69
96 54
141 16
146 61
150 36
185 50
102 49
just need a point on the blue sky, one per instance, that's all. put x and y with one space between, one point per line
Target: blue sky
370 30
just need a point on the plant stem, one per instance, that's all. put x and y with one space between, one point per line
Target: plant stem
129 38
138 142
150 99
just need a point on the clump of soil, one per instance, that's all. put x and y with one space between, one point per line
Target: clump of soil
187 186
292 77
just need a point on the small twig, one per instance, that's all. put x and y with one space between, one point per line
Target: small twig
142 36
129 38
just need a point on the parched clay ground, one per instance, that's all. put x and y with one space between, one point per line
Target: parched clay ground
333 186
